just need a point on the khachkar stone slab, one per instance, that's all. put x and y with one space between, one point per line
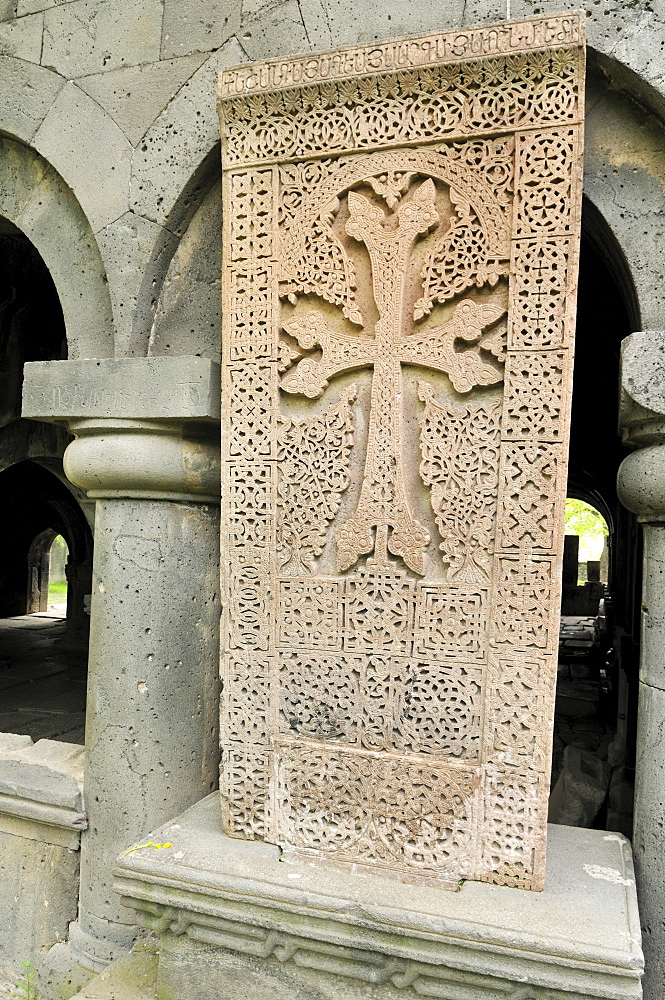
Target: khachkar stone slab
401 242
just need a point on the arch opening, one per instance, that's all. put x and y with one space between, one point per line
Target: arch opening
47 539
48 564
596 705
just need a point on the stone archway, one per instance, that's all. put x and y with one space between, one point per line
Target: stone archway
36 202
596 707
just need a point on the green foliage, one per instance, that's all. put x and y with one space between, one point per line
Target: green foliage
26 987
585 521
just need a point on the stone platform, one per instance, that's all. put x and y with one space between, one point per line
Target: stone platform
236 923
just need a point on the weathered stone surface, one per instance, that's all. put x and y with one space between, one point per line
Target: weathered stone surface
322 934
100 176
641 478
32 6
152 691
41 816
275 30
48 772
10 742
122 387
624 170
36 199
135 95
86 36
39 88
188 318
22 38
643 376
641 487
166 163
649 824
136 253
403 625
39 891
199 26
133 977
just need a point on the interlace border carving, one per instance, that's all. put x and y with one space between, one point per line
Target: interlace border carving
347 669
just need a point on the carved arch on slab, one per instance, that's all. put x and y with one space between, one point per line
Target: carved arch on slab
464 183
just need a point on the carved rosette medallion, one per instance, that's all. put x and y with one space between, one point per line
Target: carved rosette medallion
401 231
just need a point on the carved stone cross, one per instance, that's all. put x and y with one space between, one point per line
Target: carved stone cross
383 502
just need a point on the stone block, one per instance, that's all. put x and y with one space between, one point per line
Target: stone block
580 790
276 30
135 252
41 791
7 9
22 37
179 142
38 897
41 817
198 25
344 22
181 388
35 197
90 151
117 90
619 181
642 376
38 88
133 977
10 742
236 923
87 36
188 318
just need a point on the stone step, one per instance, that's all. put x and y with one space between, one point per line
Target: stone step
132 977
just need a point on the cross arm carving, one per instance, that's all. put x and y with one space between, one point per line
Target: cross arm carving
339 353
434 348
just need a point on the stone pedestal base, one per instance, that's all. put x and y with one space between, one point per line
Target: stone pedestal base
236 923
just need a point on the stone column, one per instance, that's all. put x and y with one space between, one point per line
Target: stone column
146 450
641 486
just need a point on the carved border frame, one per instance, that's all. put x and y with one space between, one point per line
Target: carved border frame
260 128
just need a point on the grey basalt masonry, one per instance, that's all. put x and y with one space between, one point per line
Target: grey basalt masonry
143 157
236 923
110 166
41 819
146 450
641 487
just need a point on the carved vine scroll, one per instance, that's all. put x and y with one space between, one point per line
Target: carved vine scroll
401 228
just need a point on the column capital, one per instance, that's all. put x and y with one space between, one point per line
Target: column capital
144 428
641 476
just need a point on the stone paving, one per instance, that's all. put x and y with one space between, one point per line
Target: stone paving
43 667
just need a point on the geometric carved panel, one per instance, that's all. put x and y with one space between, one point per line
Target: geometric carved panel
401 230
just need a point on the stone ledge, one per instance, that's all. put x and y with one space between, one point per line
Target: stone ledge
579 937
176 388
41 790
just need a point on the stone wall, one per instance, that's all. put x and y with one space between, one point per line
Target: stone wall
41 818
118 101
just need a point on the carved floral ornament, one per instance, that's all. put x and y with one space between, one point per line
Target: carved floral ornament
398 322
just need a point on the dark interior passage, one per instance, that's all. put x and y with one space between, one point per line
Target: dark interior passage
596 708
39 507
42 659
